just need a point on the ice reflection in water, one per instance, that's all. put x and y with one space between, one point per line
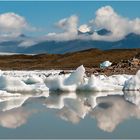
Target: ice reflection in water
108 109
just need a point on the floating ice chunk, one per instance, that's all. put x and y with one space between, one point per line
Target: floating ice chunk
40 88
133 84
105 64
64 82
12 84
37 81
76 77
119 79
95 84
57 83
33 80
15 85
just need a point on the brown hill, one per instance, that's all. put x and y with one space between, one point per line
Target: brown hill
89 58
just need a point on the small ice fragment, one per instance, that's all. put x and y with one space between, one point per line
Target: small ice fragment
105 64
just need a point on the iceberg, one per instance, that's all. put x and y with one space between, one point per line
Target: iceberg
33 79
16 85
79 81
105 64
18 82
13 84
66 82
133 84
96 84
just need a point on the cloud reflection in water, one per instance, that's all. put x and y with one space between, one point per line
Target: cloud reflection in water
109 109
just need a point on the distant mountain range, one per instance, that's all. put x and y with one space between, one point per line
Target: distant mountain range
35 46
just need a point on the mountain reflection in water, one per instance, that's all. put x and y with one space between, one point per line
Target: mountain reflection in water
108 109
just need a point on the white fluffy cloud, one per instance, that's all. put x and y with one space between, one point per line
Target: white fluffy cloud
69 27
106 18
12 23
120 26
68 24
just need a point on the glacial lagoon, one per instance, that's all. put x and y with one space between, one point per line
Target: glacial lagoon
80 115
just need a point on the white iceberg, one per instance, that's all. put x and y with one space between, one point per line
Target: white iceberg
78 81
16 85
66 82
33 79
43 81
133 84
13 84
96 84
105 64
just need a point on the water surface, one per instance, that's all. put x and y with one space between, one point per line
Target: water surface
69 115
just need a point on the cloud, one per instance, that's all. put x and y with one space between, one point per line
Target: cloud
12 23
28 43
68 24
120 26
69 27
106 17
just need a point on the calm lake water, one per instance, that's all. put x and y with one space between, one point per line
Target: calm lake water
69 115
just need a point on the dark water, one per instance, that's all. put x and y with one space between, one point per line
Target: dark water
69 115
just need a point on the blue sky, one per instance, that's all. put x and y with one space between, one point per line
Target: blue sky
44 14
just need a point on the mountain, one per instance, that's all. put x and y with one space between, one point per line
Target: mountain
36 46
130 41
103 32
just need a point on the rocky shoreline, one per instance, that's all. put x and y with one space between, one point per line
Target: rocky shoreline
129 67
124 61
